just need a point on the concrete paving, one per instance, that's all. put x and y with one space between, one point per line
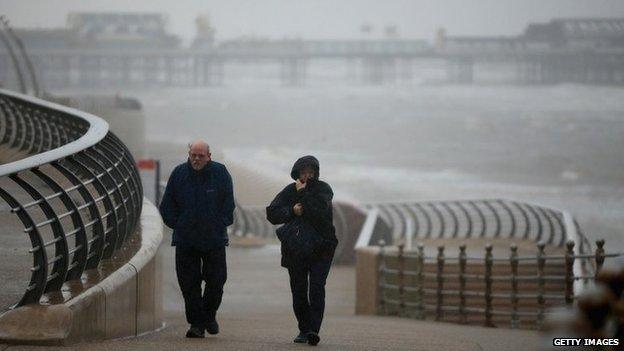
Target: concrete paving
256 314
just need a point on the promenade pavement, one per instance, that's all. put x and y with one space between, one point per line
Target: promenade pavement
256 314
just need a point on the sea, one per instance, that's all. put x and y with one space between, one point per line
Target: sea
412 139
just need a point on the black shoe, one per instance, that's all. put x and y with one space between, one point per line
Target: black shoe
195 332
313 338
302 338
212 327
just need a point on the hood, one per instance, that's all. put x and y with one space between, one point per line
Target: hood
304 162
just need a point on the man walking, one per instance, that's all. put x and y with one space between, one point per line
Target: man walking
198 205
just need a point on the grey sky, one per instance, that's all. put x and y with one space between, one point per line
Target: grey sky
326 18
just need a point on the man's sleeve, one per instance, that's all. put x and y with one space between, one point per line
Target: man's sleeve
227 207
169 210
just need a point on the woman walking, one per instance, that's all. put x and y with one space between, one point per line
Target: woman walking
308 242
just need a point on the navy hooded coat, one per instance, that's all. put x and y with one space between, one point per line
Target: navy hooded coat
316 200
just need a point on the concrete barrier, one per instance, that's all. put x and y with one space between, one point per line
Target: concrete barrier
367 280
122 298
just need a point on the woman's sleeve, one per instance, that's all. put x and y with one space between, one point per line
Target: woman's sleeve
279 211
317 204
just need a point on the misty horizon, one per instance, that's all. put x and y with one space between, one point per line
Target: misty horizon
323 19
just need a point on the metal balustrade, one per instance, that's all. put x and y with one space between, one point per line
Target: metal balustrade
76 189
488 218
524 286
599 310
248 220
493 289
251 220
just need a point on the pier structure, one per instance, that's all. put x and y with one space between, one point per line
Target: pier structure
135 50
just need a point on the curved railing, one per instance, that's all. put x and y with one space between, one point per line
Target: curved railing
348 221
76 189
502 284
488 218
251 221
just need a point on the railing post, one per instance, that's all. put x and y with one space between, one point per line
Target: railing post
382 277
421 281
513 260
462 283
440 280
600 254
401 280
569 275
541 264
488 285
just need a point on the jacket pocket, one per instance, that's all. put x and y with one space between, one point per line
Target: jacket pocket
182 221
281 233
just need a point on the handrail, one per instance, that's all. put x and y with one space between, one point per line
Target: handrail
77 192
367 229
97 130
479 218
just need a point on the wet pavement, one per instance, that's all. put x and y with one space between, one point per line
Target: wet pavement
256 314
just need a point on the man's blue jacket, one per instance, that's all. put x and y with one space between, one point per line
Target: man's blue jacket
199 205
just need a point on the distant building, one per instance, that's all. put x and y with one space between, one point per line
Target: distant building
578 33
121 31
95 49
117 31
570 34
480 43
46 39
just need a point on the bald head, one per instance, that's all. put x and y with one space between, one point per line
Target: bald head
199 154
199 144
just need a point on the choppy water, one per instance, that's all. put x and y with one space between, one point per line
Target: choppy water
560 145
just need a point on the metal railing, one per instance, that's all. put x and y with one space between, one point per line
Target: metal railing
597 313
77 191
248 220
251 220
489 218
516 288
10 39
348 220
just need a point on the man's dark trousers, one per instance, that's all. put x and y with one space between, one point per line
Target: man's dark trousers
309 311
193 266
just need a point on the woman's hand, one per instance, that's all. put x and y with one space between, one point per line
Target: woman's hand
299 184
298 209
